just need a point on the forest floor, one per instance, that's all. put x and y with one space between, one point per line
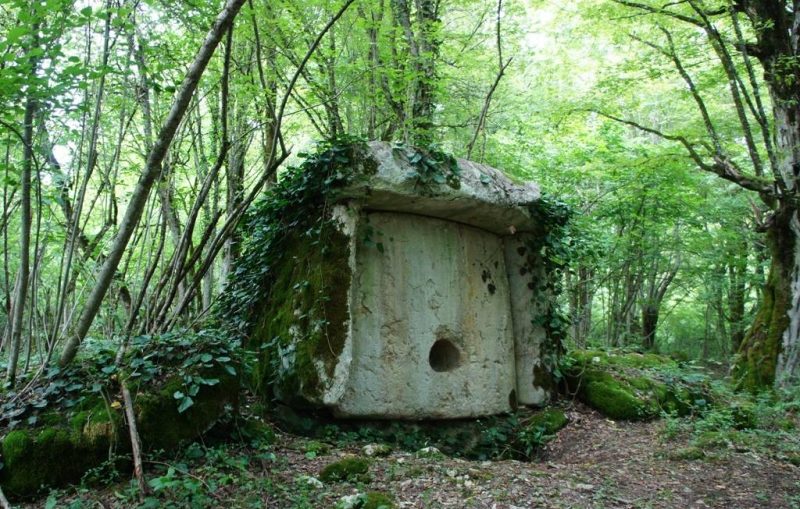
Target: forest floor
592 462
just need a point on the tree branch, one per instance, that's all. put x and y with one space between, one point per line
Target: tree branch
722 165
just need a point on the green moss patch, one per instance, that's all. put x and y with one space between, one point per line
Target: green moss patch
347 469
163 427
378 500
621 359
51 456
631 386
548 421
305 316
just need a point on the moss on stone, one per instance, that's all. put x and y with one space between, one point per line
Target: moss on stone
160 424
629 385
51 456
548 421
378 500
621 359
305 316
59 454
345 469
616 401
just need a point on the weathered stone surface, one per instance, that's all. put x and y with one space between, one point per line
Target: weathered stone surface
429 310
485 198
528 336
431 328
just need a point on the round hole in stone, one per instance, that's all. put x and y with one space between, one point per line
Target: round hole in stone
444 356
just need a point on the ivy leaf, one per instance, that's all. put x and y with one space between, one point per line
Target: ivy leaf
185 404
178 395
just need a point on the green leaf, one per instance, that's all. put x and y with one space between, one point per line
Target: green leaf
16 33
178 395
185 404
86 11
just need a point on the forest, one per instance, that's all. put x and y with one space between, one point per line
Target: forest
176 294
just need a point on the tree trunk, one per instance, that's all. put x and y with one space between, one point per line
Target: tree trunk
737 272
649 325
21 288
769 353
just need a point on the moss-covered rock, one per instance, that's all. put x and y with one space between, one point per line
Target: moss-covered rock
377 450
163 427
548 421
347 469
50 456
304 317
621 359
629 386
61 451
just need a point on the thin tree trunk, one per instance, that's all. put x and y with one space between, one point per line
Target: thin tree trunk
148 177
21 288
136 443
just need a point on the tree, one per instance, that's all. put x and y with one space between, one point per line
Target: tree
770 350
148 177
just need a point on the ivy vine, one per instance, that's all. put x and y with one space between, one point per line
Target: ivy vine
554 245
432 167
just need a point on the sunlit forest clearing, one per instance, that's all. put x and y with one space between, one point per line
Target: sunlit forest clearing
393 253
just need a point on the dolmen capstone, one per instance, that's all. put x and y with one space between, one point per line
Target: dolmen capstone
422 301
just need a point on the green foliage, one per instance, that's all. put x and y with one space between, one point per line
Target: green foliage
347 469
553 247
738 423
517 436
294 206
432 166
191 361
73 417
373 500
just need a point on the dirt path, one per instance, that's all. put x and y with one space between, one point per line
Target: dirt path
594 462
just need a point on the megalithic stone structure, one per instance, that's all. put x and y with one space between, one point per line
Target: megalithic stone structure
431 306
